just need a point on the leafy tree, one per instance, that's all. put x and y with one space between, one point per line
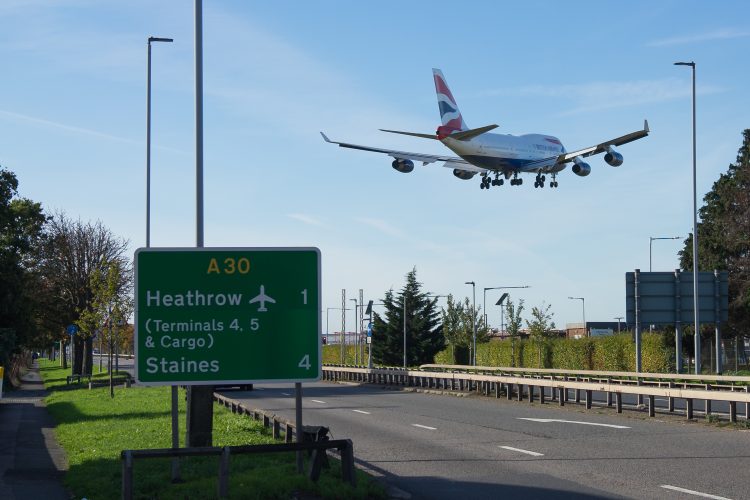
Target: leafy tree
73 253
458 328
724 236
21 222
424 336
540 328
513 325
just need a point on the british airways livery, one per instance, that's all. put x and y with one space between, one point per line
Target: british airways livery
497 157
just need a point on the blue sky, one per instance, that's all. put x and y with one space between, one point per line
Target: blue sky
72 127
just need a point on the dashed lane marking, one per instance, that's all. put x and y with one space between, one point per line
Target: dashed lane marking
425 427
692 492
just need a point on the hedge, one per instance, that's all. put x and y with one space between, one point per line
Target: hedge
609 353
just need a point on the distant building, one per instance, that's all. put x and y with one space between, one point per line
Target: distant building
593 329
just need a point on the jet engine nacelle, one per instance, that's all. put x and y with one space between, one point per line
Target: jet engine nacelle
403 166
581 167
463 174
613 158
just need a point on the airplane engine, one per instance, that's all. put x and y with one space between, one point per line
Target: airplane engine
463 174
581 167
613 158
403 166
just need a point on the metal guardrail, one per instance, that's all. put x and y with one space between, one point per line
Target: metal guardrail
558 385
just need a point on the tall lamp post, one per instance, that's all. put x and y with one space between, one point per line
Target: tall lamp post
583 305
484 300
148 137
651 243
695 237
473 321
174 395
404 300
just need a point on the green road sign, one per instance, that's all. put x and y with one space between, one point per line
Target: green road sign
209 316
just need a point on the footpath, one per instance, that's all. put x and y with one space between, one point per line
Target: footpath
32 463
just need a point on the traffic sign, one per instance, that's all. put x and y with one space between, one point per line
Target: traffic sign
209 316
72 329
369 329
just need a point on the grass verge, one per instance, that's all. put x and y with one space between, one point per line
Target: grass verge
93 428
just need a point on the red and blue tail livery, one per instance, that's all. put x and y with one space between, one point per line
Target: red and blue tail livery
497 157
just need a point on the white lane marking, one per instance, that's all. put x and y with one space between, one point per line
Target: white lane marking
692 492
318 401
362 412
285 394
425 427
548 420
519 450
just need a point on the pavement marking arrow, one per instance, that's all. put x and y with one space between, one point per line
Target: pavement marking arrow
549 420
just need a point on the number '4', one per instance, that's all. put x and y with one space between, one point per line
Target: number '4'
305 362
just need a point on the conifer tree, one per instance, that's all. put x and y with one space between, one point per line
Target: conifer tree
424 336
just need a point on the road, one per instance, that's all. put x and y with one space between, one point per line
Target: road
441 446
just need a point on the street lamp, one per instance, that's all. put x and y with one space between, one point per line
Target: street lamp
404 301
473 321
695 238
583 304
650 245
619 319
148 137
484 300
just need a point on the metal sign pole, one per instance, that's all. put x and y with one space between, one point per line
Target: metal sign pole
298 422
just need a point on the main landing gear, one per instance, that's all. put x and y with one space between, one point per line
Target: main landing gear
486 182
539 181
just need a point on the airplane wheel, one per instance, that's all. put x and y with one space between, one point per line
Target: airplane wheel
536 184
544 178
500 182
520 181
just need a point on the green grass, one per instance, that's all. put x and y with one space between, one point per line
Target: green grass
93 428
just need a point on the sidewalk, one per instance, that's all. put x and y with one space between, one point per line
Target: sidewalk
32 463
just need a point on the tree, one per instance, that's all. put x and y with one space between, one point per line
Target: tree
513 315
724 236
424 336
73 253
21 222
540 328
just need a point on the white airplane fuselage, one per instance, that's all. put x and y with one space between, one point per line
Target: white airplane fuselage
505 151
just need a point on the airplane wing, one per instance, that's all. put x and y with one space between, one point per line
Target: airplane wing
602 147
405 155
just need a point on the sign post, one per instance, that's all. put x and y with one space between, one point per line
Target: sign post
209 316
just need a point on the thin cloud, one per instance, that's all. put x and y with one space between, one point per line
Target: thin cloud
307 219
77 130
721 34
382 226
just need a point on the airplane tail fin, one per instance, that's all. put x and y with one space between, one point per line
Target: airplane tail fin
450 115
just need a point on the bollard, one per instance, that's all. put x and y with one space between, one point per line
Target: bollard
689 408
542 394
563 394
520 392
609 393
509 391
733 412
276 433
618 402
288 433
531 394
589 394
578 395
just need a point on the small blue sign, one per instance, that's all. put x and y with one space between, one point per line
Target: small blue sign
72 329
369 329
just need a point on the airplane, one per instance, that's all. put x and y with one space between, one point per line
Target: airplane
496 157
262 298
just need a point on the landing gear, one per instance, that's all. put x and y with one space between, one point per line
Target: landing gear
539 181
486 182
553 183
516 181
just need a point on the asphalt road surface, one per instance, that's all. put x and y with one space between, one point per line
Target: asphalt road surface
442 446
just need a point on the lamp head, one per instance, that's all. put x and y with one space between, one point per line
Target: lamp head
159 39
691 64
